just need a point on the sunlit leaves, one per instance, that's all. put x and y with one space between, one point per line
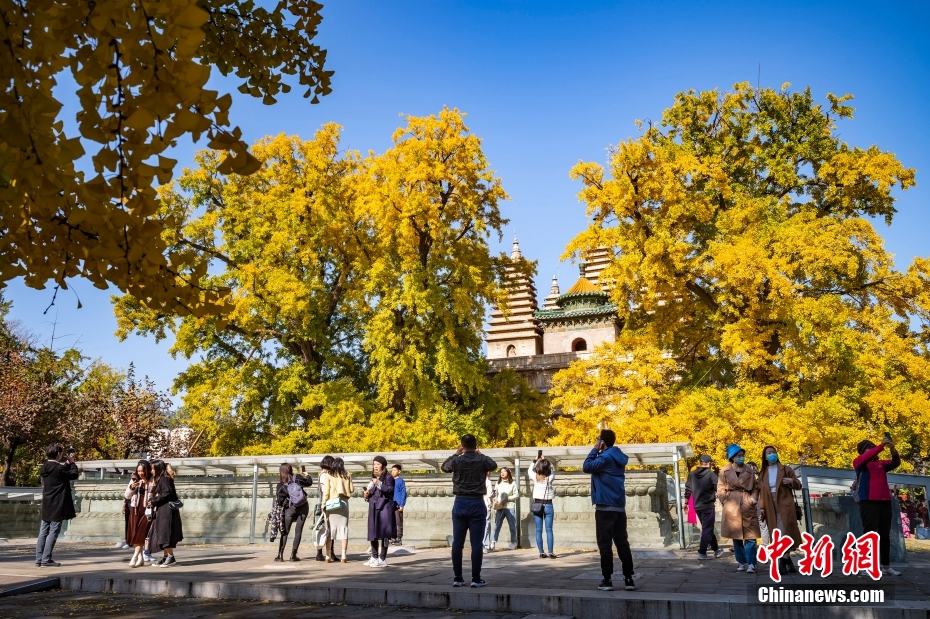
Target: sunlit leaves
85 205
744 250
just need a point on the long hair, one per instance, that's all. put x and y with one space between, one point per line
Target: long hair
285 473
339 468
146 470
158 469
327 463
765 462
544 468
169 470
500 476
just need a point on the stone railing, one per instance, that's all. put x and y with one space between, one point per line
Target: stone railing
218 510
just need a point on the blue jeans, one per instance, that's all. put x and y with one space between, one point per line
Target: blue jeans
469 515
507 514
547 520
745 551
45 544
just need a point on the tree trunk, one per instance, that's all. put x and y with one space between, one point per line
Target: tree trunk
11 446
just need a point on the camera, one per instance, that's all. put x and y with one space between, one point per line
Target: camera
70 451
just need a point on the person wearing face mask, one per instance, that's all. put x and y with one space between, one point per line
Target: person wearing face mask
738 492
777 483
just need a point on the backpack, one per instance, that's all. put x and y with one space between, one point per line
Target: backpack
295 494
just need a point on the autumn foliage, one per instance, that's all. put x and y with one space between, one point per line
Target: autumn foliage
358 289
81 200
759 304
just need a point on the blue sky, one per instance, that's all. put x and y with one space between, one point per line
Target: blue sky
546 84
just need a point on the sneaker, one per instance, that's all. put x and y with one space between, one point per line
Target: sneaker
718 553
458 583
890 571
552 556
169 561
543 555
703 556
477 584
605 585
370 562
628 583
399 541
160 561
121 545
380 563
750 569
740 567
50 564
511 546
146 557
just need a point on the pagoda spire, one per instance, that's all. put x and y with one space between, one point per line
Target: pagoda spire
550 301
517 333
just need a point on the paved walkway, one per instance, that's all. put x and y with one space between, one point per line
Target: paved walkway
422 578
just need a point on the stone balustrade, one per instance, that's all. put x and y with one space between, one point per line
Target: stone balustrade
218 510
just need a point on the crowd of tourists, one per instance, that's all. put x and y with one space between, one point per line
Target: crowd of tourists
754 501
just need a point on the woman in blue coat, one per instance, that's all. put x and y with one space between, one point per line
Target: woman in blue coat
381 524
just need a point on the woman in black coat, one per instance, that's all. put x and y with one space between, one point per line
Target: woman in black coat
382 526
292 498
165 532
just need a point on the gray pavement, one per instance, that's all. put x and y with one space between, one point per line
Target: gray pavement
518 581
61 604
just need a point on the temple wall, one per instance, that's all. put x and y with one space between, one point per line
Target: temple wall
217 510
559 339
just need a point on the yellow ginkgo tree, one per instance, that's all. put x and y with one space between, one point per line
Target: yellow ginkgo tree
358 286
134 76
758 302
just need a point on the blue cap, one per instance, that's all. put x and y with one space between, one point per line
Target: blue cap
732 450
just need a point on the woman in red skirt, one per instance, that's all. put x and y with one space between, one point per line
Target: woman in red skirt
138 493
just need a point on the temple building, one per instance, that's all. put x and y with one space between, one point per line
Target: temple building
536 342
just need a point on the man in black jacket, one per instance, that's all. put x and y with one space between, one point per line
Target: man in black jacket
469 468
57 504
702 485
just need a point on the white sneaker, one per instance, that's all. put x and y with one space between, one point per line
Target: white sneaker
146 557
381 563
371 562
740 567
511 546
890 571
750 569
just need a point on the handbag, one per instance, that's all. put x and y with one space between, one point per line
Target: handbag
538 509
692 513
333 504
175 505
798 513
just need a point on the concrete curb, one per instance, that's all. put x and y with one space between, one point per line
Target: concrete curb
582 605
42 584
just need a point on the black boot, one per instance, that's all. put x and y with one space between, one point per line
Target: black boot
294 556
319 554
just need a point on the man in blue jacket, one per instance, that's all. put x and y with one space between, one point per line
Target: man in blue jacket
606 465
